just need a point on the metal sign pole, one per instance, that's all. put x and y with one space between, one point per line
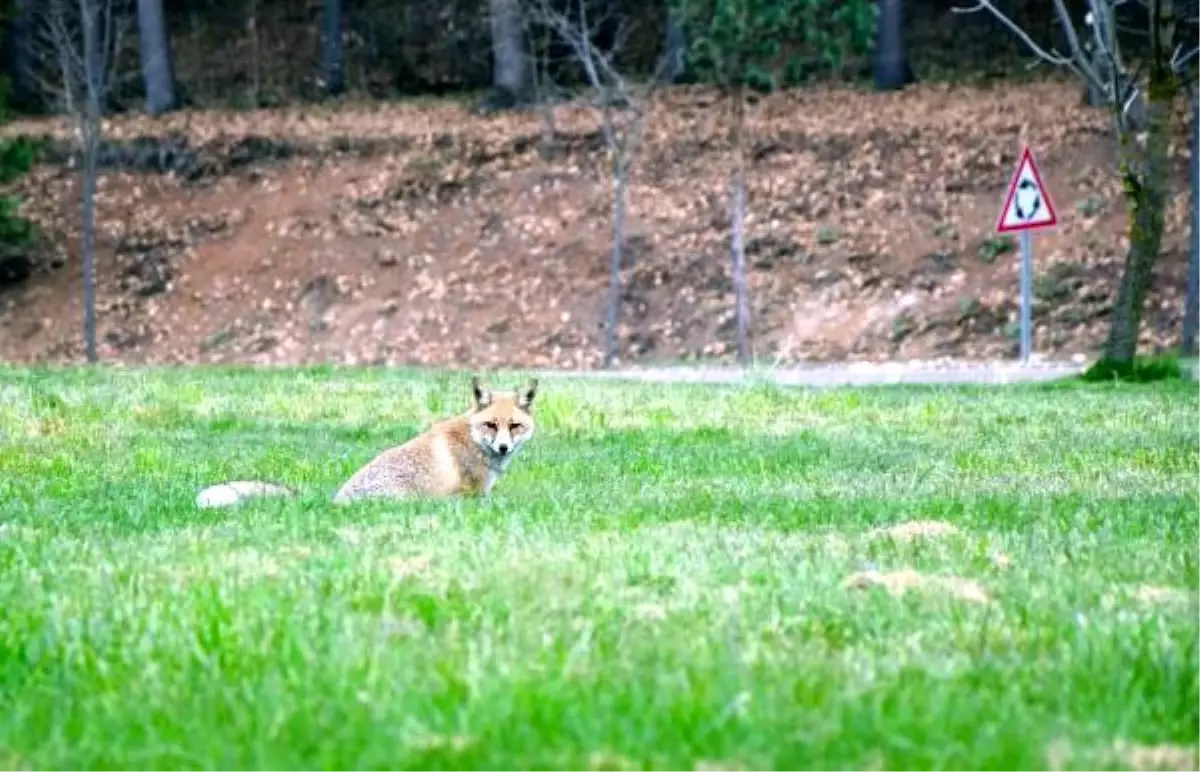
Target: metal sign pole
1026 208
1026 295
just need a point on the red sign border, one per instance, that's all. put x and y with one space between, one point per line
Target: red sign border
1026 157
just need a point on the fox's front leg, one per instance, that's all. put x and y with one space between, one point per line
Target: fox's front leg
489 481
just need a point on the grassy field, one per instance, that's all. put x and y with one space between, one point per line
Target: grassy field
663 580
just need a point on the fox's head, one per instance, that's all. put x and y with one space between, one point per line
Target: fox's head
501 421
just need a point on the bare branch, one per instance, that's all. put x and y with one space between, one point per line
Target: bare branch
110 42
1053 57
1181 57
599 66
1082 64
1077 61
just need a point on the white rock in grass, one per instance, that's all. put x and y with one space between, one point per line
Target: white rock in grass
230 493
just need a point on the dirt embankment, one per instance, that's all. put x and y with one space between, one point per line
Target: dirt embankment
424 234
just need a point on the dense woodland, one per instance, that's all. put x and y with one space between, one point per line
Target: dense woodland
248 53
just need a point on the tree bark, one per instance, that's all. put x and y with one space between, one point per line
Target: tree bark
255 96
612 339
154 47
892 69
1146 195
332 70
676 47
89 130
1144 171
20 35
737 212
88 213
1191 306
510 79
1094 96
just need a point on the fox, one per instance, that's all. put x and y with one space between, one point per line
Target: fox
460 456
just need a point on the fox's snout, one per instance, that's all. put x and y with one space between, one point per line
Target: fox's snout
503 442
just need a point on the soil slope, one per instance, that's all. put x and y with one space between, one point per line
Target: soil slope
420 233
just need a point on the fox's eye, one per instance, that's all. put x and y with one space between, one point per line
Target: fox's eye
514 428
491 425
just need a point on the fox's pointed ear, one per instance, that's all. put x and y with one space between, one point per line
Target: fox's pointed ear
526 395
483 395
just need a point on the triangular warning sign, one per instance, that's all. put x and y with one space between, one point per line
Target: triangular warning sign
1027 205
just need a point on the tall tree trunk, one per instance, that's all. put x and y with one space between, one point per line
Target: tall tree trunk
510 80
1146 195
892 69
332 71
87 212
1191 306
1144 171
676 47
89 131
20 38
255 95
612 338
1102 24
154 46
737 211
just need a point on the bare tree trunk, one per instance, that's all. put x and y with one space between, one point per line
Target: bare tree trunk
738 214
1094 95
892 69
255 54
89 131
331 48
1191 306
619 213
20 34
1146 195
1145 174
1121 346
676 47
509 78
88 211
543 98
154 46
64 65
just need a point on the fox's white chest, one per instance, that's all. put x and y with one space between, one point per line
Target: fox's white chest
496 468
489 480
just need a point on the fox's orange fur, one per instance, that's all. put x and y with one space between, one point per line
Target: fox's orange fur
461 455
464 455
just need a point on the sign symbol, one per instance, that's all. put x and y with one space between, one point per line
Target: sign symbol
1027 200
1027 205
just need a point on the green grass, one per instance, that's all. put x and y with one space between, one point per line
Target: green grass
656 583
1141 370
